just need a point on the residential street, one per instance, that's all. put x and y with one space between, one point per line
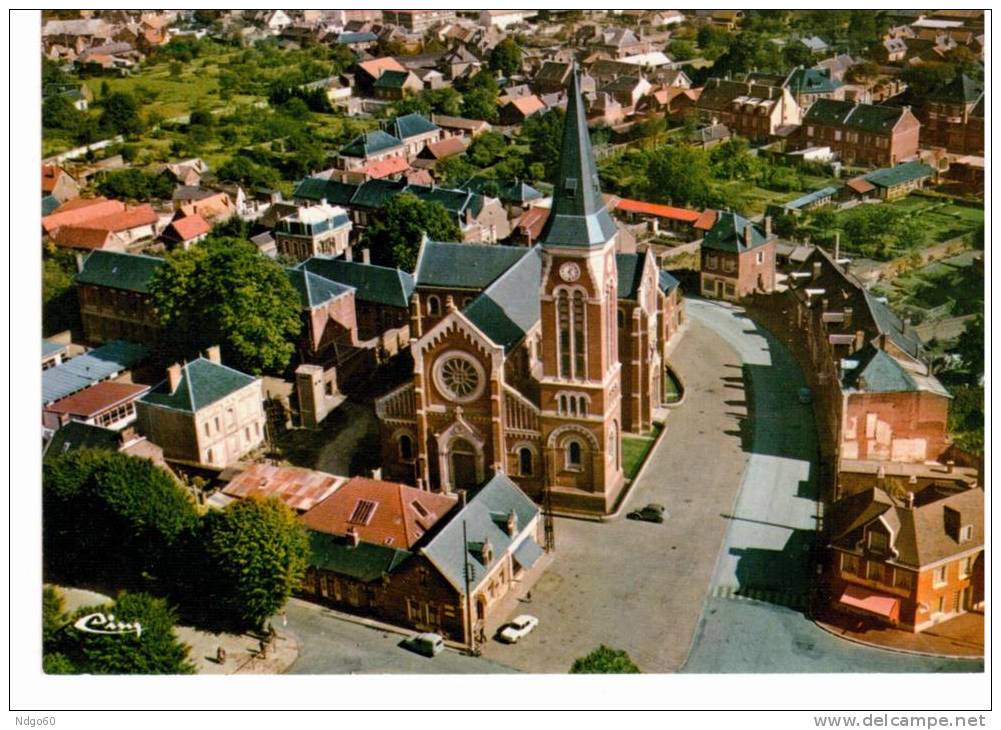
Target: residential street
753 620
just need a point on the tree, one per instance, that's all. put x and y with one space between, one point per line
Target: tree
58 112
679 175
480 96
863 73
136 515
926 77
970 348
53 616
505 58
486 149
242 169
121 114
132 183
224 292
749 52
605 660
154 649
543 135
733 160
682 50
256 552
454 170
60 308
394 237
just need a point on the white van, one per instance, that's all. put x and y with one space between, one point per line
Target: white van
428 644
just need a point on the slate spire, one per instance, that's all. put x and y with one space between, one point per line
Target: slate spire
578 216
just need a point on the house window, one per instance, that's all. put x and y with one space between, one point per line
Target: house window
966 533
363 511
208 456
573 454
941 605
434 306
622 319
328 388
217 426
875 571
525 461
878 541
850 564
729 265
903 578
406 448
206 428
760 258
938 577
708 286
246 433
712 263
730 290
809 131
966 566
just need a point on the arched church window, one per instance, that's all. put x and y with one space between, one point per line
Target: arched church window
459 376
563 318
434 306
578 335
406 448
525 461
573 453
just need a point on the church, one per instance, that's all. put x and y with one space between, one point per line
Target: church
533 361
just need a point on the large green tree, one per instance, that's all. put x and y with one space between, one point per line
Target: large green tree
60 309
132 183
970 347
223 291
394 236
121 114
108 515
543 135
153 649
256 553
505 58
679 175
605 660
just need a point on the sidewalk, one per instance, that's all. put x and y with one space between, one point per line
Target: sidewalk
961 637
242 650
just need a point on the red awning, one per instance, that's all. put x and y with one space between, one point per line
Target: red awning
870 602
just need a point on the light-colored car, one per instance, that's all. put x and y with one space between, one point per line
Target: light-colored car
429 645
517 629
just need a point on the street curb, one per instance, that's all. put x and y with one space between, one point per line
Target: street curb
627 492
912 652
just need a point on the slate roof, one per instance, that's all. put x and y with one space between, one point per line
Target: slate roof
318 188
348 38
370 143
49 204
313 289
892 326
483 517
630 268
372 284
79 435
376 193
961 90
888 177
411 125
866 117
464 265
578 216
392 79
553 71
666 281
508 191
920 535
509 307
810 198
727 234
365 562
812 81
203 382
51 348
127 271
84 370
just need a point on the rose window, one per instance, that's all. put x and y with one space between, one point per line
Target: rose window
460 377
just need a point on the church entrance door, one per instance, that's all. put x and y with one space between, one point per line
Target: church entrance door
463 463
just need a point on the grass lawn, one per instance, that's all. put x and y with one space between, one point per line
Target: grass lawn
954 281
635 450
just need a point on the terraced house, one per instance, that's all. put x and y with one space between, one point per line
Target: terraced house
115 300
754 110
862 134
953 116
738 258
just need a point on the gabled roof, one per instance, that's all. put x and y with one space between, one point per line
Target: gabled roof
553 71
509 308
301 489
379 512
372 284
313 289
127 271
392 79
202 383
370 143
189 227
516 191
527 105
97 398
812 81
811 197
80 210
905 172
318 188
666 281
377 66
83 371
867 117
81 237
464 265
79 435
727 234
659 211
411 125
578 216
630 268
889 324
443 148
483 518
961 90
364 562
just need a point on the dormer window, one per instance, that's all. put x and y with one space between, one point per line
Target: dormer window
878 541
570 185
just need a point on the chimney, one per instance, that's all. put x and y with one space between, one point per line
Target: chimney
353 538
837 246
462 498
512 523
347 254
768 226
816 270
323 202
859 340
449 304
748 235
848 318
213 355
365 256
79 262
949 466
910 500
174 376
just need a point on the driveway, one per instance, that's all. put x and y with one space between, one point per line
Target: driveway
753 620
329 645
639 586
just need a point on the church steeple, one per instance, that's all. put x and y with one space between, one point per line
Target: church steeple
578 216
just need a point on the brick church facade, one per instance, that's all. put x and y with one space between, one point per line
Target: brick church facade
533 361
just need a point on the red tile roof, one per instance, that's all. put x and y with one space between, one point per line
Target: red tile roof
141 215
528 105
381 513
531 222
377 66
660 211
446 147
78 211
50 176
190 227
81 237
860 185
98 398
299 488
707 219
387 167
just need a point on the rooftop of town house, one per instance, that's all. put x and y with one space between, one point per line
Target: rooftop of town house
126 271
464 265
372 284
301 489
202 383
92 367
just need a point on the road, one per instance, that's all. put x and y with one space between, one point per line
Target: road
753 620
329 645
638 586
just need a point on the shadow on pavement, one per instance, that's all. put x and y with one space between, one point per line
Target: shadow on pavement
777 576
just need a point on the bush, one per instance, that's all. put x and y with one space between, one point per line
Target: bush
605 660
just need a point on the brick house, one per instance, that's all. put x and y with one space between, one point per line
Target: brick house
806 84
59 184
910 561
368 72
403 555
952 116
115 301
204 413
396 85
738 258
753 110
862 134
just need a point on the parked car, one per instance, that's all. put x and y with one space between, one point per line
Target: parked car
805 396
430 645
517 629
651 513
